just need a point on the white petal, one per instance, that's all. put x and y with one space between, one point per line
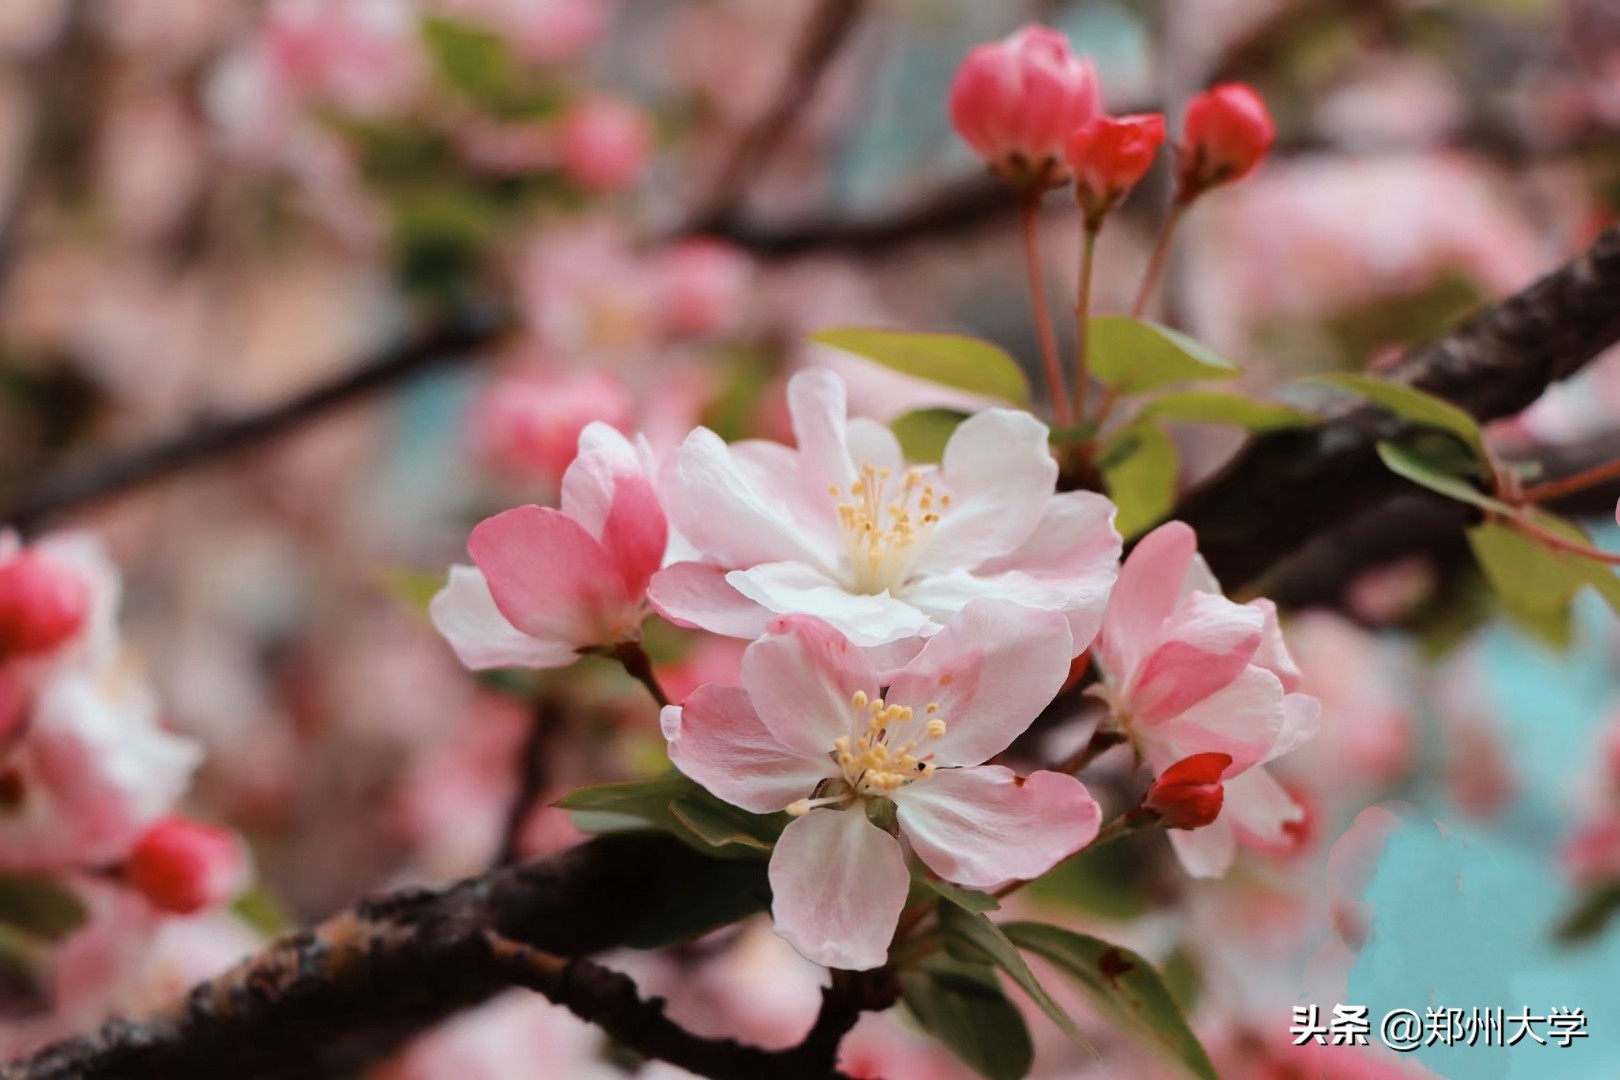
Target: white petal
791 588
482 638
1206 852
716 738
838 885
697 594
712 499
1000 474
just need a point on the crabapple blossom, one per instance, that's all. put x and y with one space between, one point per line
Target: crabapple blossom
1108 157
702 286
43 603
1015 101
550 583
1227 133
1187 671
526 424
183 867
842 529
814 730
605 144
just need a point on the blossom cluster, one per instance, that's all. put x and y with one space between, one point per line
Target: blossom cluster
907 623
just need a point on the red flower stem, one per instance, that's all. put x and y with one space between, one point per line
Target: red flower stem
1557 489
1156 262
1082 326
1029 211
1564 543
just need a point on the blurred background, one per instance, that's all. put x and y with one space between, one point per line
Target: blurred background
416 245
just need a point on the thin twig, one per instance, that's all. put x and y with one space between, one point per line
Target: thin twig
545 717
1030 215
1158 260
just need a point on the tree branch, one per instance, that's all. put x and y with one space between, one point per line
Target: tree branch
37 502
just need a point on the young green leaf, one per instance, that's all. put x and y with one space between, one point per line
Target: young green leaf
1593 911
1134 356
1122 983
1140 463
947 359
39 906
676 805
721 825
1420 470
1411 405
963 1006
975 939
923 433
1533 579
1228 410
970 900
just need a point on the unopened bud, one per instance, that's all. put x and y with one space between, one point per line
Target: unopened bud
1189 794
43 603
1228 133
183 867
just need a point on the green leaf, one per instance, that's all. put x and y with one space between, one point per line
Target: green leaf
976 940
719 824
1229 410
963 1006
1593 911
1141 464
1424 472
39 906
1134 356
947 359
1123 983
1414 406
718 894
923 433
1535 584
675 805
969 900
471 60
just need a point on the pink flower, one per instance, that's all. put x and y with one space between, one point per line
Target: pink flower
1015 102
703 285
811 731
527 423
1186 671
1227 133
841 529
549 583
605 144
1109 156
183 867
43 604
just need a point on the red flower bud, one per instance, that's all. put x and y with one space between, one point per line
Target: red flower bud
1228 133
1015 102
42 604
1109 156
184 867
1189 794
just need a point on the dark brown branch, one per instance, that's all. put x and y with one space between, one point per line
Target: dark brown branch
832 23
329 1001
1289 487
75 487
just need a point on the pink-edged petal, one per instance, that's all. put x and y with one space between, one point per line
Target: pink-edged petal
716 738
838 885
606 491
1074 555
697 595
1207 852
1082 601
983 826
1302 719
1273 654
481 637
1242 719
819 407
713 499
1259 809
801 677
550 577
999 471
1205 644
798 589
1149 585
990 672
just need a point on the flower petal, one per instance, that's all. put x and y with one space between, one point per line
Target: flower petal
716 738
713 498
801 677
1149 585
482 638
794 588
1302 719
1000 474
550 577
983 826
606 491
874 444
1206 852
1242 719
1259 808
1074 552
1205 643
838 885
991 672
818 403
697 594
1273 654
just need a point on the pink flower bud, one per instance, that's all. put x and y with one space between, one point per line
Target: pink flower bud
701 287
43 603
1228 132
1109 156
1189 794
605 144
526 424
1016 101
183 867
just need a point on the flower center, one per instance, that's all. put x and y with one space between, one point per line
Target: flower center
883 522
882 759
